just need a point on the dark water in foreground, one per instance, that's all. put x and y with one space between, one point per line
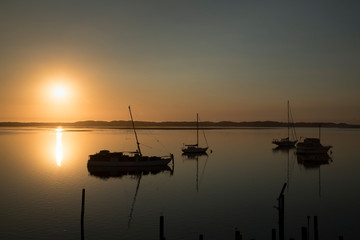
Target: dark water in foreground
42 173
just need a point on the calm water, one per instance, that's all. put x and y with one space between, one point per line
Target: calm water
42 173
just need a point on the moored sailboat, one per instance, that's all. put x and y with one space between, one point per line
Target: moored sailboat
286 142
195 148
105 158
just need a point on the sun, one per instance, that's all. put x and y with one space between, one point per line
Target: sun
59 92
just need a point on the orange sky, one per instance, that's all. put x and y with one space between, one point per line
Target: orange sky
239 62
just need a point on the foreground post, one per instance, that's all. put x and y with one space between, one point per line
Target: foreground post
273 234
238 235
82 213
304 233
162 228
201 237
281 206
316 230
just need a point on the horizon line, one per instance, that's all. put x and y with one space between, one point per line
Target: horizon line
225 123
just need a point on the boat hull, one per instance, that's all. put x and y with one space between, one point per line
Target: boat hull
106 158
288 144
194 150
309 151
138 163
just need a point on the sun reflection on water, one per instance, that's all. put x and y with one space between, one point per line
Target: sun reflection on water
59 146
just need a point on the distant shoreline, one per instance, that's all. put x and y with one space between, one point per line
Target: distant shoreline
176 125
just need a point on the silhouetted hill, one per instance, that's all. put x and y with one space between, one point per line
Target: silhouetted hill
175 125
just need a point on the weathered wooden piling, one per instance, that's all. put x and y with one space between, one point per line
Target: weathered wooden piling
162 237
238 235
308 227
201 237
304 233
316 230
83 205
273 234
341 238
281 209
82 213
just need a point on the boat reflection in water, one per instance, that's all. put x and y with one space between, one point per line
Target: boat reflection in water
196 156
119 172
134 172
313 160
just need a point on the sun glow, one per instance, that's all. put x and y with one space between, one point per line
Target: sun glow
59 88
59 92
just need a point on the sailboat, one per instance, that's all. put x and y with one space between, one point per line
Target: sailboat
194 148
105 158
286 142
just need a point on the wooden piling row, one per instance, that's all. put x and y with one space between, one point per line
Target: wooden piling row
305 231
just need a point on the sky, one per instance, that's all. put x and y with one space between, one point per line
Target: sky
65 61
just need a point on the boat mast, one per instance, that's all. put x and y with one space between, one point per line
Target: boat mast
137 142
197 129
288 110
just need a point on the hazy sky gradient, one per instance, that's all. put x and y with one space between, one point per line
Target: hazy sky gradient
226 60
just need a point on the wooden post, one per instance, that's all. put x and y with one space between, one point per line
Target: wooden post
273 234
238 235
82 213
341 238
162 228
308 227
316 230
281 209
201 237
304 233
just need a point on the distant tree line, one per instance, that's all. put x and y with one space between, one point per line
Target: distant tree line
174 125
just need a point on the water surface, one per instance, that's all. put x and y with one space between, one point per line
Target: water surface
43 171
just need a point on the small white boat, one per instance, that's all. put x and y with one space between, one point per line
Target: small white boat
194 148
105 158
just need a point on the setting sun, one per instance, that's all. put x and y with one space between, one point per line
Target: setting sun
59 92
